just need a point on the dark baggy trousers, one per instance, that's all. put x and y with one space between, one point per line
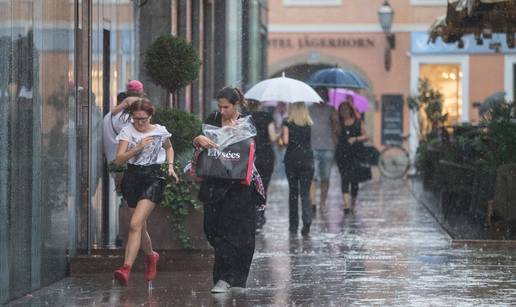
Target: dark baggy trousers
299 177
230 227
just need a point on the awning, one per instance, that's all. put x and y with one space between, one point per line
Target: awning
479 17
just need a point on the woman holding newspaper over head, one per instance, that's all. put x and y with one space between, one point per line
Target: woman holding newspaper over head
231 189
145 147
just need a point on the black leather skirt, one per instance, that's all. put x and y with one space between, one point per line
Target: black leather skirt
143 182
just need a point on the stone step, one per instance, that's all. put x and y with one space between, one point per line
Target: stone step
106 261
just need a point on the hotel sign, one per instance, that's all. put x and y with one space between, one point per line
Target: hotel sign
322 42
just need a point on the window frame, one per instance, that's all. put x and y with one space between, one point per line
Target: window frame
428 2
304 3
509 61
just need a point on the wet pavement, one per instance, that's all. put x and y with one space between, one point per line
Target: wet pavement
390 252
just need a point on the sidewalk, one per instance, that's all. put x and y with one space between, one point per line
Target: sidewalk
391 252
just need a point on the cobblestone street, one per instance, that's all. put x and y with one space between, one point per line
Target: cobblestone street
390 253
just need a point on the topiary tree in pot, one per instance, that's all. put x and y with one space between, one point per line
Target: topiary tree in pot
172 63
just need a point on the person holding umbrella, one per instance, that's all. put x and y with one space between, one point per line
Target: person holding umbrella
299 164
323 146
296 135
351 135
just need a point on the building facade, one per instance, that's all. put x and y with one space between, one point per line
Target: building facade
62 63
308 35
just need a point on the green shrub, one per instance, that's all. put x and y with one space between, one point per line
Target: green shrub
172 62
498 145
179 197
184 127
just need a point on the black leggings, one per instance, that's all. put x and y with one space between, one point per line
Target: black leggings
354 188
299 177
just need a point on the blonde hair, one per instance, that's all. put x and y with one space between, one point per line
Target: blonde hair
298 114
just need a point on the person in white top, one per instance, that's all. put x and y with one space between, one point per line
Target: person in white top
117 119
112 125
144 147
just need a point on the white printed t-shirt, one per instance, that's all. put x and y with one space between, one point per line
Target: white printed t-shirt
153 153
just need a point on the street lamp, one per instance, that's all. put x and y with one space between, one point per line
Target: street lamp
386 16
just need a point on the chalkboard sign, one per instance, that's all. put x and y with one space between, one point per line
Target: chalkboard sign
392 119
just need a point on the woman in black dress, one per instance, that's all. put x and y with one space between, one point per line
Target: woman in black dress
229 207
265 136
299 164
351 134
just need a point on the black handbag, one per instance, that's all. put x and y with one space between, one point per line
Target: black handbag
364 173
369 155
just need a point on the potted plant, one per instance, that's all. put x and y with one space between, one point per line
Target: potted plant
181 197
172 63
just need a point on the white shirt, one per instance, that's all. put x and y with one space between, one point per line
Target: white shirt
153 153
112 126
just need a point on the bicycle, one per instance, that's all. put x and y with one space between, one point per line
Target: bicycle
394 160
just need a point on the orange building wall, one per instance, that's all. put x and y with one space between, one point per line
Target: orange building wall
368 61
358 11
342 21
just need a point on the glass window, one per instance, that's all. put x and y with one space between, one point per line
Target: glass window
447 78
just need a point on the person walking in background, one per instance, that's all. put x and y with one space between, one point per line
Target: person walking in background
112 125
299 164
351 135
145 147
323 146
265 136
279 115
229 207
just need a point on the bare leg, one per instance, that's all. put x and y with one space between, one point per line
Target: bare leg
345 196
136 227
325 185
146 245
313 190
146 241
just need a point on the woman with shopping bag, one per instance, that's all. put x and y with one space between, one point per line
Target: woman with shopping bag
229 204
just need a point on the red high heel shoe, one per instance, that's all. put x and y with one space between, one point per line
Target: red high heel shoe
152 262
122 274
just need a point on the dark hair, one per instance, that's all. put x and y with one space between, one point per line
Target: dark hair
233 95
348 103
120 97
143 104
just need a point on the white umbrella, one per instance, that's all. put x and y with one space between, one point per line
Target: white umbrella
283 89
